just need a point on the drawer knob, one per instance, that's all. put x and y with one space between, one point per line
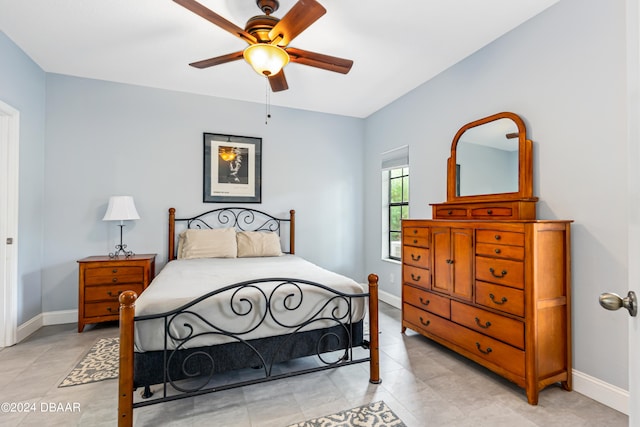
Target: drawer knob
425 303
449 261
497 237
423 322
114 271
415 231
415 241
114 280
498 251
449 212
493 298
111 310
489 212
485 326
499 276
112 295
416 278
487 351
416 258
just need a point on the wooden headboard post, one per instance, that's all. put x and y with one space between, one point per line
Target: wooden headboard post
172 233
292 231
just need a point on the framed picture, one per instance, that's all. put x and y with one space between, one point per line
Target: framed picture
232 169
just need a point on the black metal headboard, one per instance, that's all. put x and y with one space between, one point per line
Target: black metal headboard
242 219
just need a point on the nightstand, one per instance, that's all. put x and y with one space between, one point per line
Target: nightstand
103 279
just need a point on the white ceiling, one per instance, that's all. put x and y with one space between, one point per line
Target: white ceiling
395 45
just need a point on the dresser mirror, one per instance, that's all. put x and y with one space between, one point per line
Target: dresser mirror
490 159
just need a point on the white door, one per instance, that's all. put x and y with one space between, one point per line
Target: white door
633 180
9 125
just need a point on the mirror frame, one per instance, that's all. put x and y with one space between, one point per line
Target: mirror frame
525 164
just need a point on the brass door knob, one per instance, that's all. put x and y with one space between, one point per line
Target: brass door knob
612 301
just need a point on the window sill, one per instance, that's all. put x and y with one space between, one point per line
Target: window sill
392 261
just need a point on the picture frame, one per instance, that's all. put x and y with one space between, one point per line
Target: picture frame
232 169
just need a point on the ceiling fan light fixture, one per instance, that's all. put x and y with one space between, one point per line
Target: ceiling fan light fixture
266 59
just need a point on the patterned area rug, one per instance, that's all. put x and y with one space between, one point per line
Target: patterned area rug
101 363
376 414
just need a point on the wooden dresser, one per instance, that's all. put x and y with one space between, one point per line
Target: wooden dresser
101 281
489 281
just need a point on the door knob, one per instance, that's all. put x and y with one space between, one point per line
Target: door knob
612 301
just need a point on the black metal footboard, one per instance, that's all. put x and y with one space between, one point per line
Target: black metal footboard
317 328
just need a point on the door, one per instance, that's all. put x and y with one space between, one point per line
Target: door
9 125
463 256
633 128
442 280
453 261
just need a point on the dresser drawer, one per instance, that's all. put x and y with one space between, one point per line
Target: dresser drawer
425 321
500 251
492 212
417 257
416 276
110 275
503 328
110 292
500 298
501 271
501 237
493 351
416 236
97 309
427 301
444 213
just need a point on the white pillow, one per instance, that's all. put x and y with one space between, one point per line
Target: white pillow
206 243
258 244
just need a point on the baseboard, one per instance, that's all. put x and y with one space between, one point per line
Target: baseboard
390 299
45 319
607 394
29 327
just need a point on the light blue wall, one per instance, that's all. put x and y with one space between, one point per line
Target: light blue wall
564 72
107 139
22 86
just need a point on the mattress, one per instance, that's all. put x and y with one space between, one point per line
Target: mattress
253 311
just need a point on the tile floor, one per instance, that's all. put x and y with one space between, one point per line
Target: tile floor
423 383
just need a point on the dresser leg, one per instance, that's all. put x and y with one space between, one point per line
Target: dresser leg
80 327
532 396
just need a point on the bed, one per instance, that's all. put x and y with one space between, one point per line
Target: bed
236 306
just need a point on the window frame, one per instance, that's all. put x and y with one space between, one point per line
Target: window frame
390 206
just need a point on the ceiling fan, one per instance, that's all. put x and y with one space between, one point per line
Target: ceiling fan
269 37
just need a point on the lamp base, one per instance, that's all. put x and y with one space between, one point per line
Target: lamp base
121 248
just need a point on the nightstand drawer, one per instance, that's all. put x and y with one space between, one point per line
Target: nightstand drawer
112 292
107 275
98 309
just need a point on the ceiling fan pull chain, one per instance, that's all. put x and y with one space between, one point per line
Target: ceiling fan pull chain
267 101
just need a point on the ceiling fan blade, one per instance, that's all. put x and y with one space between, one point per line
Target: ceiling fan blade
205 63
216 19
278 82
301 15
318 60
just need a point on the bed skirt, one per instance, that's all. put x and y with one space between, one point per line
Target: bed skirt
207 361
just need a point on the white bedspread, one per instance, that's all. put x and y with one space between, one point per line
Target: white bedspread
182 281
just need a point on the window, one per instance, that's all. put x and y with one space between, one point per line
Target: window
398 207
395 200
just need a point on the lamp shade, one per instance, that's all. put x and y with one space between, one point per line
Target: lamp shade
266 59
121 208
